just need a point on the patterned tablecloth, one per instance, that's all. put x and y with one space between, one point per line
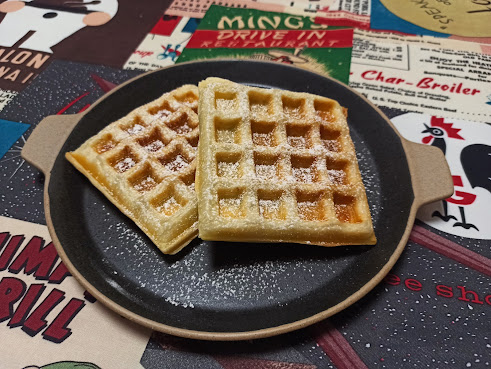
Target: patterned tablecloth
431 311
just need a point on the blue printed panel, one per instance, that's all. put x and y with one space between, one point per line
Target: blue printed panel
10 132
381 18
191 25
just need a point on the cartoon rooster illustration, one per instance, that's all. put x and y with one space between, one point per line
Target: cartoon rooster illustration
476 163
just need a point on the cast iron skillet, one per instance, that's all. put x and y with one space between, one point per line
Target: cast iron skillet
230 291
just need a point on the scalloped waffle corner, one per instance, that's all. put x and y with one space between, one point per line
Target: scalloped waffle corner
145 164
277 166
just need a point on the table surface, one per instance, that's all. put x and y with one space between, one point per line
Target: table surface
431 311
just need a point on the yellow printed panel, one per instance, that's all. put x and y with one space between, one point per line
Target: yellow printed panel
471 18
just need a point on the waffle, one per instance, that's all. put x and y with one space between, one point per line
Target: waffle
277 166
144 163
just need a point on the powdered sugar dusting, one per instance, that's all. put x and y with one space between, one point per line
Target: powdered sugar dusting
125 164
154 146
178 163
337 176
210 275
266 171
304 175
225 275
269 209
228 169
145 184
169 207
136 128
299 142
263 139
370 177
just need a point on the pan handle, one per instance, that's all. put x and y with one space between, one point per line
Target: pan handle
430 173
47 139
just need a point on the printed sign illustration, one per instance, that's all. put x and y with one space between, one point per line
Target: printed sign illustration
423 74
34 32
462 18
433 19
51 22
332 12
164 44
65 365
6 97
468 152
40 25
45 312
270 36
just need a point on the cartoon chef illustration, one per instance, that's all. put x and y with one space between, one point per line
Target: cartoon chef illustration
65 365
51 20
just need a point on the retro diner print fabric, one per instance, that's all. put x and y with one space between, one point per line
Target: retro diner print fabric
36 32
270 36
47 316
431 311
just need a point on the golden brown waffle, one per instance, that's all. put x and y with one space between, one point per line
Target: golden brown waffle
145 164
277 166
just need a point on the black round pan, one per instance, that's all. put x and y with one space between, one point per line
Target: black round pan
230 291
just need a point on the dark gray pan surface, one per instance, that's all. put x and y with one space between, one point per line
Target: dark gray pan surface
228 287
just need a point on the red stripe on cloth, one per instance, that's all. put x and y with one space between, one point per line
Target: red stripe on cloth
342 18
450 249
84 108
253 39
333 343
69 105
168 342
165 27
235 362
105 86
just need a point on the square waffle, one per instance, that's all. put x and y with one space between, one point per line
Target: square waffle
144 163
277 166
